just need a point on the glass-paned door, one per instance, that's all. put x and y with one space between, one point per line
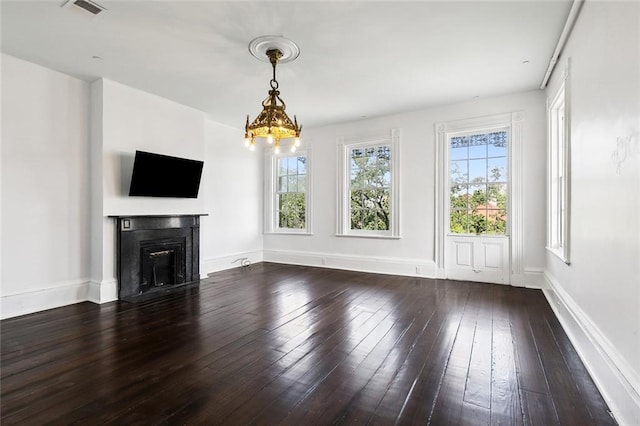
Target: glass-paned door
477 241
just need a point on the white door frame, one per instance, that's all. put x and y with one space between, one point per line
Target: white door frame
513 121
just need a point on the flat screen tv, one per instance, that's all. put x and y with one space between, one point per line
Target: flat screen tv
157 175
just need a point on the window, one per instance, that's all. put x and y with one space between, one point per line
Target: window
369 187
478 167
287 206
558 182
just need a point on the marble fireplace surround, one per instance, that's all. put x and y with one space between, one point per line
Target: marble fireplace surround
141 239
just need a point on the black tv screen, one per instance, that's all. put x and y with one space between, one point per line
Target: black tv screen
156 175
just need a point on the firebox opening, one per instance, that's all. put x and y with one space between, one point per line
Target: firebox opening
163 268
163 264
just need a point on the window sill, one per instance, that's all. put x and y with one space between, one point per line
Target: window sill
288 233
380 237
559 254
479 235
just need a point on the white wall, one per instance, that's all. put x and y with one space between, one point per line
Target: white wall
232 188
417 191
45 188
99 224
135 120
598 294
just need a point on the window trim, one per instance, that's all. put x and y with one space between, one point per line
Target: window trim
558 243
343 219
270 193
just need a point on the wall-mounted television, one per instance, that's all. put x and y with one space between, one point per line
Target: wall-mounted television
157 175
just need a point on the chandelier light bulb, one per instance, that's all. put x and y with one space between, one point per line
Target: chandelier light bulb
293 148
252 145
269 138
247 141
296 141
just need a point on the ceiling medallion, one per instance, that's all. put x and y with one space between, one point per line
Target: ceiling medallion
273 123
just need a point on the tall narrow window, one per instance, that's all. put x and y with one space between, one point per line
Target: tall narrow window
478 167
369 190
287 209
370 187
291 192
557 163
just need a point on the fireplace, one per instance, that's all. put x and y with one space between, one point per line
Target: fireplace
156 253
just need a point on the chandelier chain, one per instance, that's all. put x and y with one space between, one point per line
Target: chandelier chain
274 56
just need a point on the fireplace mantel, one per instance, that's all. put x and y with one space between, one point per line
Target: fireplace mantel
137 238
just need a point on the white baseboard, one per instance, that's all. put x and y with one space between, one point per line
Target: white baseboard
531 278
62 294
379 265
216 264
440 273
103 292
614 377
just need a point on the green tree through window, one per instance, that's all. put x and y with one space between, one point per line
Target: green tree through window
291 192
478 183
370 181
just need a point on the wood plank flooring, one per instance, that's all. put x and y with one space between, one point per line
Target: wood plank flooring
282 344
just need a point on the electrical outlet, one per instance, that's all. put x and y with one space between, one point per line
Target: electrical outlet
417 270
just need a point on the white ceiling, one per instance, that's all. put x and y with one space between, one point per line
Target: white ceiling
358 58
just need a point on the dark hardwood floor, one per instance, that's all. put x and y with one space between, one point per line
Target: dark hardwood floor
295 345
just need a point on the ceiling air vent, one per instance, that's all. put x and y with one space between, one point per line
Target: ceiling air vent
86 5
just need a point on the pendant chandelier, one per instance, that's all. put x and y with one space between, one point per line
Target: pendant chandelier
273 123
